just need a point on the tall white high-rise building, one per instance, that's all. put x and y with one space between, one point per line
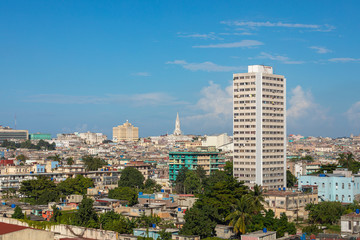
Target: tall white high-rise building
259 102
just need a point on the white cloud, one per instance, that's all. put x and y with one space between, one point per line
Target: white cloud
206 66
210 35
353 114
320 50
344 60
302 106
283 59
251 24
242 44
142 74
213 110
145 99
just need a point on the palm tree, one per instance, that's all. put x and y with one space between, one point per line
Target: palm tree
241 216
257 198
346 159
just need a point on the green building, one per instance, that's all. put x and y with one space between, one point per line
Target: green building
39 136
209 161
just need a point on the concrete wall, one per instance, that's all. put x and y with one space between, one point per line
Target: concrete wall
28 234
70 231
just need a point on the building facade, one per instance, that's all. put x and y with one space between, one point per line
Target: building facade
209 161
7 133
333 187
40 136
259 123
125 132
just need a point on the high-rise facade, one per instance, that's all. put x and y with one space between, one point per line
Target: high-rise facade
125 132
259 124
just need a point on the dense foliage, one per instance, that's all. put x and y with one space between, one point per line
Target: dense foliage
124 193
224 200
86 215
27 144
328 212
77 185
131 177
18 214
93 163
290 179
43 190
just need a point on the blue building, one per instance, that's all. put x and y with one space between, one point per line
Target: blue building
40 168
339 186
153 232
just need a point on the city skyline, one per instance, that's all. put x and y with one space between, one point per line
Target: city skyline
80 66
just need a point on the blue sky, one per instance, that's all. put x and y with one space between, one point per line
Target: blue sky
90 65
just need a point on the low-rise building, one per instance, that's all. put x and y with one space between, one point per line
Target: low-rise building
290 202
338 186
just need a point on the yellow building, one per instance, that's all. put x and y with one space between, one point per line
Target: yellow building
125 132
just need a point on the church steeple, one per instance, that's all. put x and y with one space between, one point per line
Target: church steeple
177 130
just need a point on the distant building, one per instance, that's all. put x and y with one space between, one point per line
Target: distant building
350 223
216 140
40 136
92 138
208 160
339 186
7 133
177 130
125 132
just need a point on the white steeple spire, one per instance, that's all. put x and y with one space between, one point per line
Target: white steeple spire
177 130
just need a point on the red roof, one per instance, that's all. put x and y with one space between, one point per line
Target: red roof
8 228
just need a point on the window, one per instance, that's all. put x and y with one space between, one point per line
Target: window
337 197
349 225
343 185
349 185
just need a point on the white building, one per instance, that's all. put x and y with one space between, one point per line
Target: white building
260 127
216 140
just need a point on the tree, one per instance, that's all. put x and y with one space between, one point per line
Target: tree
93 163
77 185
39 191
18 214
151 185
241 216
180 180
21 158
116 222
284 226
198 222
124 193
131 177
86 215
229 168
56 214
290 179
257 199
324 212
308 158
192 183
164 235
70 161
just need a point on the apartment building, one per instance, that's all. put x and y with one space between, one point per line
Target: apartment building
259 124
125 132
208 160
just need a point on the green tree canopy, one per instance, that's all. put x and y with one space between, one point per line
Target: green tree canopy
86 215
124 193
290 179
198 222
131 177
18 214
93 163
39 191
77 185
